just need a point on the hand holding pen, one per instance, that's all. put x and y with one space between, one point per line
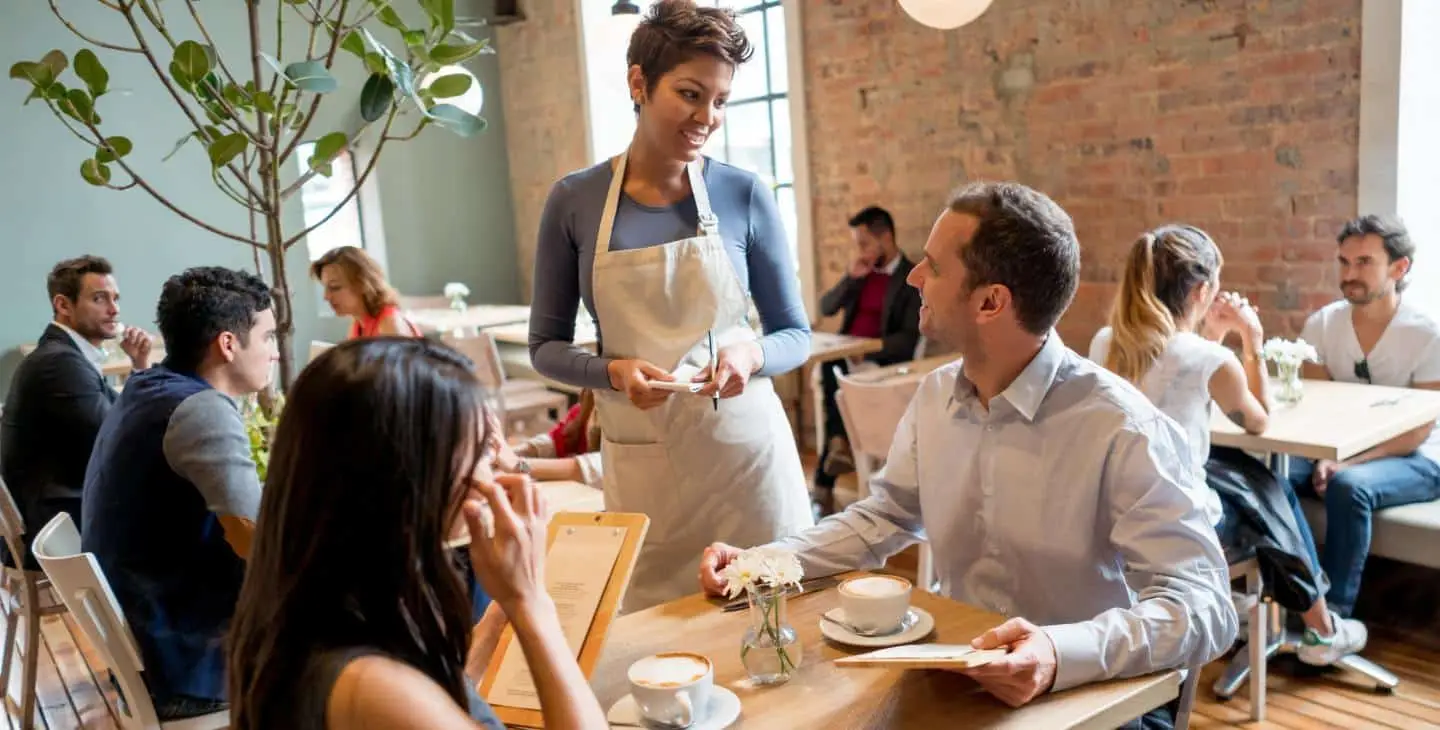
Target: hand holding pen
715 397
731 368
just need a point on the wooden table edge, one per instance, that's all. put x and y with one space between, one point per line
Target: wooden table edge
1145 698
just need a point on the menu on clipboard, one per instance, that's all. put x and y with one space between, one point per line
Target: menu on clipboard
924 656
588 563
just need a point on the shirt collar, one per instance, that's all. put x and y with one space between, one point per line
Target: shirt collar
1028 389
95 355
889 268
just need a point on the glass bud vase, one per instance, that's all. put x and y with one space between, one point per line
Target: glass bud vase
458 304
770 649
1291 389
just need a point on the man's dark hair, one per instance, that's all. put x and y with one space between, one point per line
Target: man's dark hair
1392 233
198 304
68 276
874 218
1025 242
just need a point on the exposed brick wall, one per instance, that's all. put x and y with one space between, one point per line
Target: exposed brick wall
1238 117
540 89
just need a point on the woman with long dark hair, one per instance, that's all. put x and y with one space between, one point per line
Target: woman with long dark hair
1169 295
353 613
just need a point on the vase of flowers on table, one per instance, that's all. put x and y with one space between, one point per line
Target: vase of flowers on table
770 649
1288 356
456 293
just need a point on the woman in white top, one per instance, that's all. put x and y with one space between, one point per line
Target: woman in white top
1165 336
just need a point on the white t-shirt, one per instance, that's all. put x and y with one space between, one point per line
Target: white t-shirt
1408 352
1178 383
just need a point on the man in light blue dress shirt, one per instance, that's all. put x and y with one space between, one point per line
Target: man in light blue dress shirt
1050 490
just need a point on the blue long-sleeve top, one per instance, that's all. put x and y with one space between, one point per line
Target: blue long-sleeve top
754 237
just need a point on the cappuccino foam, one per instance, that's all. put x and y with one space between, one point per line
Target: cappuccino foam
669 670
875 587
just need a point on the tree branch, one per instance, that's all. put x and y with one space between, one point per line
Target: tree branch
127 10
101 44
315 103
299 183
205 33
150 15
414 132
137 180
359 183
232 193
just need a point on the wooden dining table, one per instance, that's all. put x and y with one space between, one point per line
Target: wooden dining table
822 694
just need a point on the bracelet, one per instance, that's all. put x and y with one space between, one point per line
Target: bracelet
523 467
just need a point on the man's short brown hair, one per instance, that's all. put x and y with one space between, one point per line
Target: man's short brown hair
68 276
1025 242
675 31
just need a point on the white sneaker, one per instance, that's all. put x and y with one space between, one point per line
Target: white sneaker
1322 651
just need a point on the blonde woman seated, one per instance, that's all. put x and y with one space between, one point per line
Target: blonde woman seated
1171 285
568 452
355 287
353 615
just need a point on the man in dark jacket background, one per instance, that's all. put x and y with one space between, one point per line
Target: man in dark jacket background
877 303
59 397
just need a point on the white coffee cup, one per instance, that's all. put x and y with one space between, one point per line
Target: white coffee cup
672 688
875 603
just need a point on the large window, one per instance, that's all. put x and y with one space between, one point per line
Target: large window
320 194
757 132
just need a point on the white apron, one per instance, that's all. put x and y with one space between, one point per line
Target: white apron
700 474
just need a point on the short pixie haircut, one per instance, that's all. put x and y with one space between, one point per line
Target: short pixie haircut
675 31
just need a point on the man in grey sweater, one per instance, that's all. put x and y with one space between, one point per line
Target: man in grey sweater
171 485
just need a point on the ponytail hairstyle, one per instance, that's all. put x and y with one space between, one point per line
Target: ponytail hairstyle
1162 270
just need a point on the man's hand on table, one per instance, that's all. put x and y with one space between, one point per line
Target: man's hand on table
712 561
1026 672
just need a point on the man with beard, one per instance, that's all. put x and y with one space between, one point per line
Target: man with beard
59 397
1373 335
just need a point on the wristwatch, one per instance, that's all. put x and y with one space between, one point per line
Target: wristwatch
522 467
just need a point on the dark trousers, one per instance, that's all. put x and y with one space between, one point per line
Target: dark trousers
1161 719
834 423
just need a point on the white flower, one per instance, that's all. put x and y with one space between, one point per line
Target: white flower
456 290
1286 352
761 567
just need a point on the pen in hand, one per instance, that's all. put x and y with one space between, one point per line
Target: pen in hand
714 397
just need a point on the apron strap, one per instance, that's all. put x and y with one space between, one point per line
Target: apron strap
612 203
709 224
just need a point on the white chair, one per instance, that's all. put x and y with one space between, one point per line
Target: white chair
76 576
883 404
525 405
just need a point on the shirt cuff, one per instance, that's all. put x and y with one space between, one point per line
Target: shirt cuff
1078 656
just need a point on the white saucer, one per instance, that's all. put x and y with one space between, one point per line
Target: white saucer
724 710
924 624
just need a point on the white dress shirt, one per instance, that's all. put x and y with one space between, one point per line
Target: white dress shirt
1071 502
95 355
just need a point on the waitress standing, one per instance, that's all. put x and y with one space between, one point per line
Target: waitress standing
666 248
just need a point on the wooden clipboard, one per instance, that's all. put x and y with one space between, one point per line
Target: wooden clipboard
924 656
635 527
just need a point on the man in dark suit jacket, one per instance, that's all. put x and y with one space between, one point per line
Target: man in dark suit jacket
58 396
877 303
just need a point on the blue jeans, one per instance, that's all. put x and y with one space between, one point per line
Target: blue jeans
1351 498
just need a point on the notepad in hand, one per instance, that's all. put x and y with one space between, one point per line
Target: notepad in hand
924 656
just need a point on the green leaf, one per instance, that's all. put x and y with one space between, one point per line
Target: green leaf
92 72
180 143
447 54
375 63
399 71
298 120
78 105
456 120
237 97
311 76
194 59
264 102
442 14
389 17
208 89
38 74
182 78
95 173
354 44
211 133
227 148
118 147
273 63
450 85
56 62
414 38
326 148
376 97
